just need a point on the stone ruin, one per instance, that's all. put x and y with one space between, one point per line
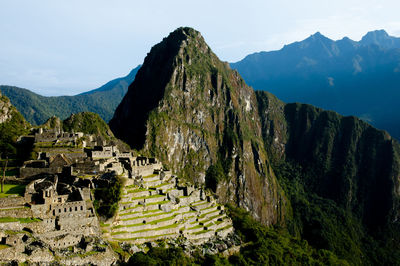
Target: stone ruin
155 205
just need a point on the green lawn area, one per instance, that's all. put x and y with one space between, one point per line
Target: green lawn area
22 220
11 189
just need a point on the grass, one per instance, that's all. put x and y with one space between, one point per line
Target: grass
149 237
13 209
136 190
118 233
21 220
150 223
158 202
209 219
199 203
146 216
210 207
195 227
149 197
12 189
150 176
143 212
2 246
155 229
207 213
223 228
201 232
209 224
162 184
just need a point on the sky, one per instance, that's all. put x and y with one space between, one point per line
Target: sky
65 47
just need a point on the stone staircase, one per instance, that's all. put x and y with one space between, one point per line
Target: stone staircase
159 208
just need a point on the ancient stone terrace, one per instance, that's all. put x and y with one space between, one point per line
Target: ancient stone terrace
86 159
51 135
157 207
66 217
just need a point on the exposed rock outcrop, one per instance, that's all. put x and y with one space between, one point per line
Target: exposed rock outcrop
5 109
344 158
192 111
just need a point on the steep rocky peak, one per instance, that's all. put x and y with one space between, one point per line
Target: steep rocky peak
375 35
190 110
180 61
380 38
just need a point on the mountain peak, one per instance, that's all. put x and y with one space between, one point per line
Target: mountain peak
380 38
189 109
187 31
318 35
376 34
183 36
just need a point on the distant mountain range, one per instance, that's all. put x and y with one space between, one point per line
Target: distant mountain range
37 108
331 181
353 78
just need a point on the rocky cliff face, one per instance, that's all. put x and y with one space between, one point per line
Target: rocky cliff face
344 158
5 109
192 111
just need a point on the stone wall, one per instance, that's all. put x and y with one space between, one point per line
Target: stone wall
21 212
68 208
25 172
64 241
10 202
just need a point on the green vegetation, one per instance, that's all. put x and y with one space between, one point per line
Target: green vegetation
12 189
2 246
161 256
327 225
21 220
214 174
9 132
107 198
37 109
274 246
88 123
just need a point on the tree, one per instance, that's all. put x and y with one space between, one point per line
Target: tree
6 150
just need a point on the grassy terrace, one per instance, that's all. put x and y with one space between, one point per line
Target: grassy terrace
146 230
146 216
204 214
199 203
13 209
223 228
2 246
209 224
149 237
210 218
11 189
201 232
149 197
21 220
136 190
195 227
210 207
143 212
162 184
150 176
150 223
196 202
158 202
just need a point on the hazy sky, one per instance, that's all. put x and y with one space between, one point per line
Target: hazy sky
64 47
